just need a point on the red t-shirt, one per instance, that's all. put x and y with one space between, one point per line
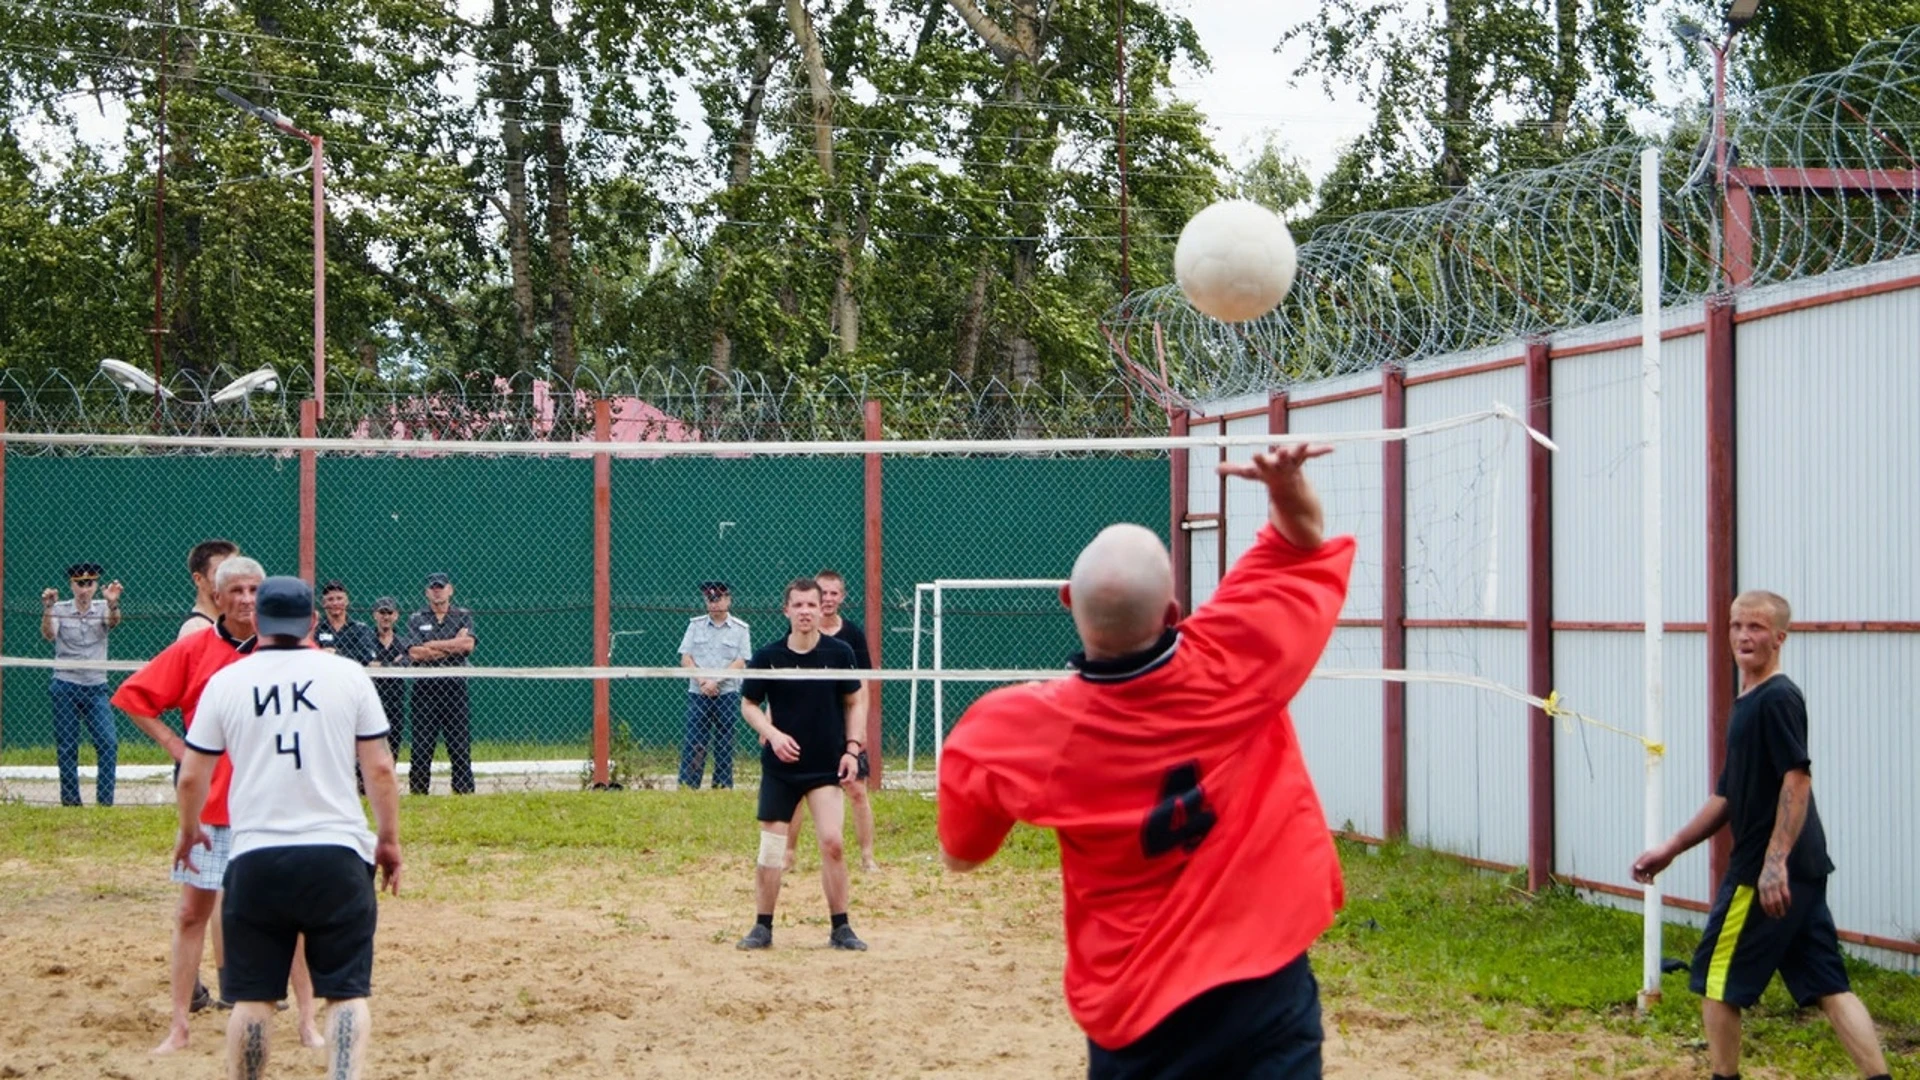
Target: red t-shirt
174 680
1193 850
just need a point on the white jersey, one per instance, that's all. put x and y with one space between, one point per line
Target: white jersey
291 720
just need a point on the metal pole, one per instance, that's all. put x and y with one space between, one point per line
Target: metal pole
160 231
319 279
1651 576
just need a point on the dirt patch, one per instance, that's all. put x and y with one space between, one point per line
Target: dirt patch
525 970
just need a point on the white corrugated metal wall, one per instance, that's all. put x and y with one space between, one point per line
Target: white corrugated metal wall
1828 398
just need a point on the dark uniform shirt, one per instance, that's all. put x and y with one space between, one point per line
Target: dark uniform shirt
1766 740
422 627
856 640
812 710
353 641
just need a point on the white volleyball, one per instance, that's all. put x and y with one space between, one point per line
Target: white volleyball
1235 260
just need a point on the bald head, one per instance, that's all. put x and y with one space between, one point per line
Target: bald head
1121 592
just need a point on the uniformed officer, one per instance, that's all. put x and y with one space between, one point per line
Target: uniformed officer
440 635
338 632
714 640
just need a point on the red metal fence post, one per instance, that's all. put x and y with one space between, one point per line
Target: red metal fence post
1540 821
1393 601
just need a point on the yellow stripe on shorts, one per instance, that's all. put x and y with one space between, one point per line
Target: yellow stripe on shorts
1730 928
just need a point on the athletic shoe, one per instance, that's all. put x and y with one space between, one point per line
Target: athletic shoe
843 937
760 937
202 998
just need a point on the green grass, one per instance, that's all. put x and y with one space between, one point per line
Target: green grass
1422 935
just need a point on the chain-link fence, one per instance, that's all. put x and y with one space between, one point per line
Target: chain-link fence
516 533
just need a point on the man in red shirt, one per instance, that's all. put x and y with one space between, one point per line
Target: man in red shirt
1195 859
174 680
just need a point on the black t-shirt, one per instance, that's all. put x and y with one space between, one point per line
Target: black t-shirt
1767 739
856 640
810 710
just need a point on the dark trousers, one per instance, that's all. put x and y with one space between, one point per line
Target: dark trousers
76 706
709 727
1259 1029
440 712
393 701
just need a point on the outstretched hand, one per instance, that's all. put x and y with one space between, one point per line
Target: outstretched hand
1295 506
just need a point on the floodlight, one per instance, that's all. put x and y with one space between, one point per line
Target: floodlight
261 381
128 377
1741 12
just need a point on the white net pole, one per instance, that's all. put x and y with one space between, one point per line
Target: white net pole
913 692
1650 567
940 685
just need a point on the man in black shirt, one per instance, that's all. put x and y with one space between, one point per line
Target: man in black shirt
812 747
1765 792
440 635
338 632
390 644
833 592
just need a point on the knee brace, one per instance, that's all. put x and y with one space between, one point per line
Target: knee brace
773 850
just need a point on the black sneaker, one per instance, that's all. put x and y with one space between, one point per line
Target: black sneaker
202 998
843 937
760 937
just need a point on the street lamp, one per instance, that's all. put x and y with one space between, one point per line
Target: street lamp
279 121
1739 14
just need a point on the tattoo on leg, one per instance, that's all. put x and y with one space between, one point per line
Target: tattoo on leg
253 1050
343 1036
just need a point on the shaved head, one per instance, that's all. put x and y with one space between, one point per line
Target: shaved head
1121 592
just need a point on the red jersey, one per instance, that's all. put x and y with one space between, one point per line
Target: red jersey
1193 850
174 680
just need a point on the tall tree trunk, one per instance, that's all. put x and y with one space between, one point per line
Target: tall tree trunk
973 320
739 171
511 87
1456 136
1023 356
553 110
1568 71
845 318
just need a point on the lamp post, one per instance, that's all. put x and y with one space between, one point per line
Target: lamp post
279 121
1739 14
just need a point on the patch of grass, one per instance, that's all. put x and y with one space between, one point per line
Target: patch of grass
1422 935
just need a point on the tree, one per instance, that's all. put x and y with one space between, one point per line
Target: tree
1484 86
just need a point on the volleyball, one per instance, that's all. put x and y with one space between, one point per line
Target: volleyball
1235 260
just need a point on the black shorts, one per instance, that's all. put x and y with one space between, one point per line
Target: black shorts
1257 1029
273 895
1743 946
782 793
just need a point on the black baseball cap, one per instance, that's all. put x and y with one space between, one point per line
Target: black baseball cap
283 607
438 577
386 603
714 589
83 571
332 586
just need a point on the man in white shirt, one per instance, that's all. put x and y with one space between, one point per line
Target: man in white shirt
293 721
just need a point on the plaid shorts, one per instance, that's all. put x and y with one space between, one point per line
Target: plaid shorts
212 864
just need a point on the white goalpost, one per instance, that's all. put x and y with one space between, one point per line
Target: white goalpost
938 589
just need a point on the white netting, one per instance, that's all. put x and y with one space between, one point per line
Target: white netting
996 522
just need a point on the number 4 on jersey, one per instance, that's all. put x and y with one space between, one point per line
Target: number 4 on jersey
1181 819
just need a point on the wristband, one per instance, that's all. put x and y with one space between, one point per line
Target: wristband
856 742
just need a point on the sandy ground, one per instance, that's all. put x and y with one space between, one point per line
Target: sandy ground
509 968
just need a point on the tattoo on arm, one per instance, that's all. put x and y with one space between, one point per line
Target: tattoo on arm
253 1050
1788 819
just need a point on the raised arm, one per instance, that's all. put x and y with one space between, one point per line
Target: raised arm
1293 506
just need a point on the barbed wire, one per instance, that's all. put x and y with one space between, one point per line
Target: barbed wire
646 404
1529 252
